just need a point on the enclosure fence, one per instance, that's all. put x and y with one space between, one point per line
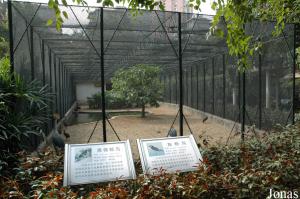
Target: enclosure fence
197 70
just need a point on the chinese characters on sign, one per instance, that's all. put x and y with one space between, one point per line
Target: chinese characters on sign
172 154
91 163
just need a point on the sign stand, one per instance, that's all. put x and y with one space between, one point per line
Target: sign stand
171 154
99 162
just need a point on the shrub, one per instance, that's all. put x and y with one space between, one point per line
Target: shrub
23 109
248 170
112 101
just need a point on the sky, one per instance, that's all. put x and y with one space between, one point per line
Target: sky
205 7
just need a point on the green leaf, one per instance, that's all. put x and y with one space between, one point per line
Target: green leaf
64 2
51 4
49 22
65 14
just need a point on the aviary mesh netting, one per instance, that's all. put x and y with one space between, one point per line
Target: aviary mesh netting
211 81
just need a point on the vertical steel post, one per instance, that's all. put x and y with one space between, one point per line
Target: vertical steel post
294 75
50 71
170 89
180 77
55 86
224 85
259 92
239 96
165 88
50 83
43 62
102 76
176 89
11 39
60 89
186 88
243 106
204 87
191 80
213 85
31 53
197 87
63 90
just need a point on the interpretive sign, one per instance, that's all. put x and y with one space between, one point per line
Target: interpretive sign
99 162
171 153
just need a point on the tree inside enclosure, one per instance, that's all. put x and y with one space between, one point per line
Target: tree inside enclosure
138 85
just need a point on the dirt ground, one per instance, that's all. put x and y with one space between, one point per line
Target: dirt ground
155 125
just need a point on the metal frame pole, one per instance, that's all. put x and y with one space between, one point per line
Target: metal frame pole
197 87
170 89
224 85
180 77
102 76
60 89
243 106
213 85
191 81
186 88
50 83
43 62
294 75
204 86
31 54
55 86
11 42
66 89
239 96
259 92
50 71
165 88
176 88
63 89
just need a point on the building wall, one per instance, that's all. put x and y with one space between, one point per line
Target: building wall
84 90
177 6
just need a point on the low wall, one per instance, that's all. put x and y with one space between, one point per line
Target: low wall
222 121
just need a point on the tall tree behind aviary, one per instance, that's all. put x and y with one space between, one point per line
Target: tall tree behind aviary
138 85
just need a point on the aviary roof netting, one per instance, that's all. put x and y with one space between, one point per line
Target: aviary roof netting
151 37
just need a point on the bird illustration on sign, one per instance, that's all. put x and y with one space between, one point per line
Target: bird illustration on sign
155 149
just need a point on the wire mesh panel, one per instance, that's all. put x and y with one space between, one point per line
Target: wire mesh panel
253 96
21 45
218 85
231 90
277 77
211 81
209 78
200 91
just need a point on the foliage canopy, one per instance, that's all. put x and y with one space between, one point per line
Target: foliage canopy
138 85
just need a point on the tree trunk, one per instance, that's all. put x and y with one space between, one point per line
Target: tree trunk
143 110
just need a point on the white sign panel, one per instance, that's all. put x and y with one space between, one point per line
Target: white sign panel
171 153
100 162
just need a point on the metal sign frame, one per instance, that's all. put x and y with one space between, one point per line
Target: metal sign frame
143 157
67 163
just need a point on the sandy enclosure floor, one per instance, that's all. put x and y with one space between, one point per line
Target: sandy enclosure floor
155 125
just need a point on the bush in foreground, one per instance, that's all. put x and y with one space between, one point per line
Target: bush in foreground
249 170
